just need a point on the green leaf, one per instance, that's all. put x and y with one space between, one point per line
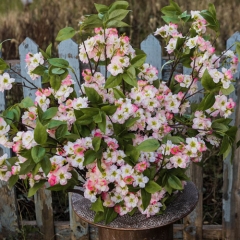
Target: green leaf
118 94
219 127
38 153
65 33
132 152
89 157
96 142
185 17
170 19
118 15
45 55
132 212
152 187
225 121
61 131
50 113
93 95
55 82
3 65
55 123
146 198
213 23
173 139
224 145
99 216
11 161
97 206
98 117
49 50
238 48
129 161
36 169
231 132
212 10
58 62
228 90
131 121
46 165
58 71
26 103
113 81
129 79
138 60
207 81
12 180
207 102
102 125
118 5
40 133
149 145
150 172
39 70
171 9
175 182
109 109
26 167
226 153
101 8
110 215
180 42
36 186
99 165
91 21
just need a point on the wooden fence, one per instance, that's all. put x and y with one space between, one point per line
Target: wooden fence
192 227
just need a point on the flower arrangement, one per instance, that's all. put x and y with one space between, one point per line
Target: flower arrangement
127 137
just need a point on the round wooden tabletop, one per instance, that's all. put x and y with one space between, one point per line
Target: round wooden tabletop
183 204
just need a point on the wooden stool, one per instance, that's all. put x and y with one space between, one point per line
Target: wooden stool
138 226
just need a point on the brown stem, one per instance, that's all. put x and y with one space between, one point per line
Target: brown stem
90 65
35 87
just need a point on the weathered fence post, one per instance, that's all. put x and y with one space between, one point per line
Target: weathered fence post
69 50
8 205
152 47
43 199
231 171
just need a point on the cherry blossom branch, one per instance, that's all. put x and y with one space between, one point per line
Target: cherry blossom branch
35 87
24 85
223 53
89 62
194 93
77 81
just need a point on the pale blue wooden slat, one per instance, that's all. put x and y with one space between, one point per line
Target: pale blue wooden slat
68 50
28 46
43 199
8 207
231 171
152 47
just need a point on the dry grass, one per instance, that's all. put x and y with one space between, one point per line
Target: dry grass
44 18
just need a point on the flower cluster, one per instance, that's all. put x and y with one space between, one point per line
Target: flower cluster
127 138
6 82
33 61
